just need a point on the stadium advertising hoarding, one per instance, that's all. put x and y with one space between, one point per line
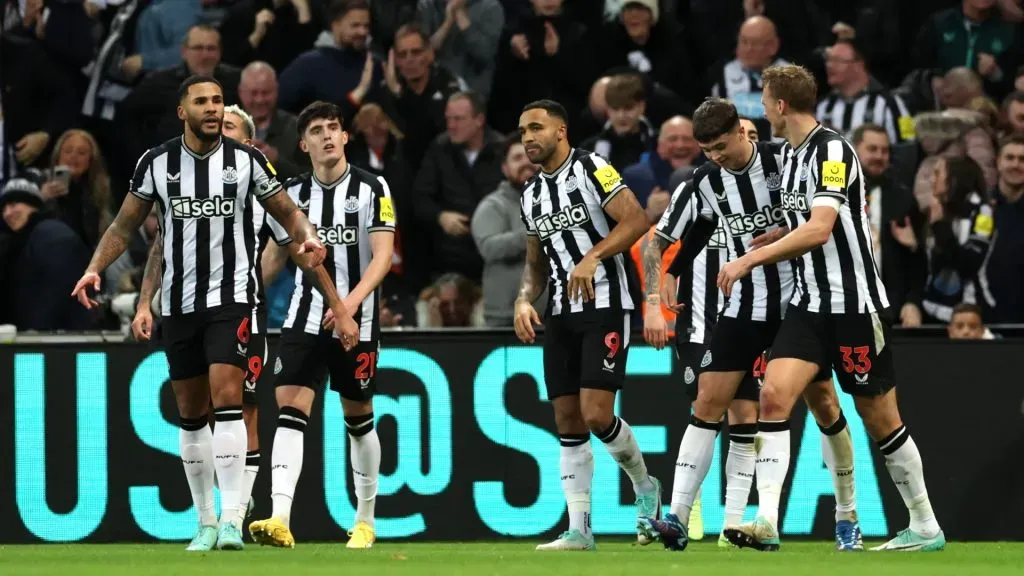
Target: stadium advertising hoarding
469 451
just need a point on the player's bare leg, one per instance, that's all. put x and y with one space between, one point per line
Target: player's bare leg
295 403
882 420
364 446
229 441
195 443
837 451
739 465
577 467
251 417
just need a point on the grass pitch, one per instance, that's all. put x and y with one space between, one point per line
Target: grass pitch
512 558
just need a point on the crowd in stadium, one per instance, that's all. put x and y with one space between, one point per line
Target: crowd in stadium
930 93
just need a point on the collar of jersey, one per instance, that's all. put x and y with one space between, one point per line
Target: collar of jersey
348 168
568 161
803 144
750 163
220 142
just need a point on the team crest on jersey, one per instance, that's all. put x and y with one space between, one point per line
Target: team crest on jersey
571 184
688 376
277 366
773 181
704 363
352 204
229 175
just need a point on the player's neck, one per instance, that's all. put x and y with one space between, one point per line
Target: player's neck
197 145
330 174
556 160
752 149
798 127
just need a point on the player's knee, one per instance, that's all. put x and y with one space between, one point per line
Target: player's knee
824 404
597 418
742 412
568 416
709 407
879 414
774 401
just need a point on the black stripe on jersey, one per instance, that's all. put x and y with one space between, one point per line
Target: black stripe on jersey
203 247
711 293
327 221
611 271
856 200
230 190
684 295
306 300
352 260
567 237
177 229
788 156
714 177
255 283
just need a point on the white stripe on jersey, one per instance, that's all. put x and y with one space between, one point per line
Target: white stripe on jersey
565 210
869 107
839 277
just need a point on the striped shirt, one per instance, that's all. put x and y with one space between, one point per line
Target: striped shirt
344 213
207 205
743 87
876 105
565 209
839 277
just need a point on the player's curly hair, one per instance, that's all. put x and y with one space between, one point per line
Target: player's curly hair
792 84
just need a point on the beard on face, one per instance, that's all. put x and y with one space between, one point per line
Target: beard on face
196 124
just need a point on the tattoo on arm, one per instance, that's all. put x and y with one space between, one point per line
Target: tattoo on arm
151 275
652 264
535 272
115 240
283 209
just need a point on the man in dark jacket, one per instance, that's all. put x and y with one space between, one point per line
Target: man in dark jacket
40 259
460 168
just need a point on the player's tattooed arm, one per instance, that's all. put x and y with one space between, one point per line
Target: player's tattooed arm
652 266
283 209
151 274
535 273
115 240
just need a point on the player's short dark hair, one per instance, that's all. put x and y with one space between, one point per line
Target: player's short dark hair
338 9
205 27
794 85
507 144
192 81
412 29
476 102
1015 139
554 109
318 110
966 308
625 91
860 131
715 117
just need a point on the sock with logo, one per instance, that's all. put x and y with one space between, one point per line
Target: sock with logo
837 451
195 442
286 461
365 451
772 467
695 452
621 444
739 471
229 440
904 464
576 462
252 468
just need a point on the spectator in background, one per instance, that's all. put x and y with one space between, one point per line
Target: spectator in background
40 258
162 27
739 79
500 235
961 231
897 225
1003 274
676 148
417 91
272 31
952 134
276 130
966 324
386 18
958 87
452 301
460 168
753 132
629 134
1013 110
340 69
78 187
149 114
465 34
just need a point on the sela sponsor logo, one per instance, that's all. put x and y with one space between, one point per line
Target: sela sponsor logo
766 217
189 208
338 235
567 218
794 202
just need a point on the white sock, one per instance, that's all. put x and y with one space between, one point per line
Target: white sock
577 465
837 451
739 472
286 461
365 450
904 464
195 443
229 440
252 468
772 466
695 452
621 444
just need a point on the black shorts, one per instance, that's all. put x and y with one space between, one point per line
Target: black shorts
691 354
194 342
736 344
857 346
585 350
257 358
306 359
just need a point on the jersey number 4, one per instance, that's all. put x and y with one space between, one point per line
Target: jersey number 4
860 365
366 365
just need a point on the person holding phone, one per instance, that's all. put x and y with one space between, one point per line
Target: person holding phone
77 187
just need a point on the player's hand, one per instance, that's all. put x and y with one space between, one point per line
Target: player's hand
315 252
910 315
581 279
525 319
142 324
768 237
89 279
668 294
731 272
346 328
655 327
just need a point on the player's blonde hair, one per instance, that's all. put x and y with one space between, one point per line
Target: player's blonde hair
792 84
250 126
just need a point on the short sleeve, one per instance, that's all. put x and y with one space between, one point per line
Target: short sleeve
531 230
682 211
277 231
382 209
603 180
142 184
833 170
264 177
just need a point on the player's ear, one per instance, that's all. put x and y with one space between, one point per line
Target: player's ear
302 145
344 137
181 113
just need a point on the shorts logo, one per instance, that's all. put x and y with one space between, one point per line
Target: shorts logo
706 361
688 376
611 340
278 366
352 204
364 383
250 385
243 331
255 368
861 378
229 175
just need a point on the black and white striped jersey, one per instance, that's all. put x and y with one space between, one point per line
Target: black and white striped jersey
743 87
565 209
344 213
839 277
208 223
700 293
876 105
